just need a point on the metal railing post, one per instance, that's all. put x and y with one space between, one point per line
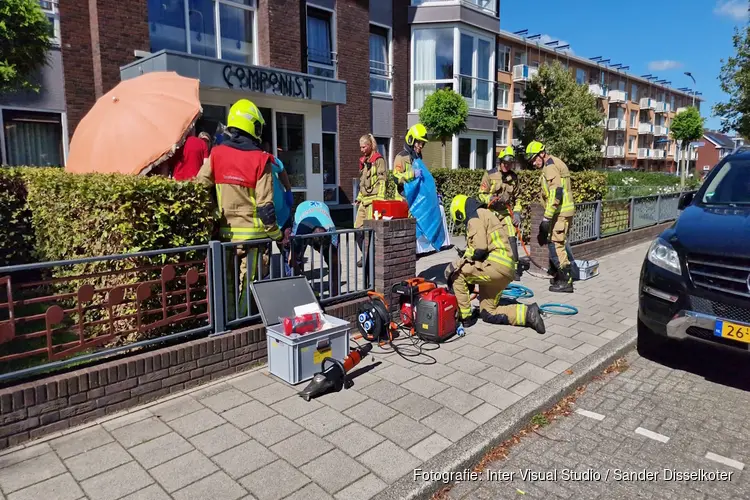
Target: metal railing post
370 283
598 220
632 213
216 297
658 208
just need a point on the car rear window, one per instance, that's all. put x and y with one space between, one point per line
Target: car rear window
730 185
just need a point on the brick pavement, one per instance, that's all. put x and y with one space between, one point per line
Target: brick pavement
250 436
693 409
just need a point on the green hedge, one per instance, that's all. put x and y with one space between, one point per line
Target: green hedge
628 184
16 235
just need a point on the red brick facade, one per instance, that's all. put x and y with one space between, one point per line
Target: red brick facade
281 37
400 86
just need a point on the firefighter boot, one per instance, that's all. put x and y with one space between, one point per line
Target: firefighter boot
553 272
534 318
565 282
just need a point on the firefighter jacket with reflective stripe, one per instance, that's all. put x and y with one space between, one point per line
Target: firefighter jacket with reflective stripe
402 167
498 184
487 233
244 192
556 194
373 176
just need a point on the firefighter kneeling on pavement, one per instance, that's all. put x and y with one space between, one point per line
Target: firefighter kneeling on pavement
489 261
242 175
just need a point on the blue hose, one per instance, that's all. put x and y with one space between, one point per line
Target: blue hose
514 291
559 309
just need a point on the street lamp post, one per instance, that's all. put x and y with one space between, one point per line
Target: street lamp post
688 73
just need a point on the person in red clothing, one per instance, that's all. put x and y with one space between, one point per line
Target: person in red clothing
188 160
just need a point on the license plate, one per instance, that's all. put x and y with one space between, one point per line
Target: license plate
734 331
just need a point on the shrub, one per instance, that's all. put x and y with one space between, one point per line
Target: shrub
627 184
16 235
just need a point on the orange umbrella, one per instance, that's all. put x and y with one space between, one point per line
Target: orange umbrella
136 125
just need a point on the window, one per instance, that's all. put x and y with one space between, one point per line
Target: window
212 117
634 92
633 119
502 133
321 59
433 62
519 57
380 68
474 152
503 90
503 58
330 169
32 138
53 16
631 144
475 66
483 147
290 146
384 148
671 103
464 153
234 40
581 77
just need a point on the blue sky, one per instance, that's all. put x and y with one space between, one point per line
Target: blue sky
662 37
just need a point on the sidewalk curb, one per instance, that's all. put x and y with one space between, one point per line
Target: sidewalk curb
470 449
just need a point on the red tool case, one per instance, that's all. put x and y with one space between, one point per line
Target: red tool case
391 208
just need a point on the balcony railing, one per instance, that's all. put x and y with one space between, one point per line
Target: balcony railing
645 153
680 110
524 73
422 90
615 151
519 111
647 103
486 6
661 131
663 107
381 75
479 93
597 90
616 124
645 128
659 154
603 123
617 96
321 63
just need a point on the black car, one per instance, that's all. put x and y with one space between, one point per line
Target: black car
695 280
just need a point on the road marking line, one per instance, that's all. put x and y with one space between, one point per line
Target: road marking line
590 414
724 460
652 435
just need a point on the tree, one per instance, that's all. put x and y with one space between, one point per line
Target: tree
564 116
734 80
24 43
444 114
687 126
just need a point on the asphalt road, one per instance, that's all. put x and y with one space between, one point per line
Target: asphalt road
677 428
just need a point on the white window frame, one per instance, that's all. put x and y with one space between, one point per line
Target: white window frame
503 142
473 137
63 125
389 62
508 104
338 171
51 10
632 144
491 73
633 119
502 49
334 45
413 46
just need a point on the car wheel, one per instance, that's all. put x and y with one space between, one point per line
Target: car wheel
650 344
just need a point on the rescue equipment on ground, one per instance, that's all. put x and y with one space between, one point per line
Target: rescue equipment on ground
436 316
334 376
373 319
305 323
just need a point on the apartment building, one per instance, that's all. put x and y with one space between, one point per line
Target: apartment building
638 109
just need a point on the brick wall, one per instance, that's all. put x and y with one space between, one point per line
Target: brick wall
123 29
51 404
355 118
401 41
281 37
78 69
396 251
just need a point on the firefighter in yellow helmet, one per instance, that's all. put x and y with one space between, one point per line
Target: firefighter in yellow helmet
499 188
489 261
242 175
403 168
559 209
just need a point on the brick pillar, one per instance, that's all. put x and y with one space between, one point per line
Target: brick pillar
355 118
281 39
78 69
540 254
395 255
400 86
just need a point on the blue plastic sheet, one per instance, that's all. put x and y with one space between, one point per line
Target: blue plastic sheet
283 211
421 195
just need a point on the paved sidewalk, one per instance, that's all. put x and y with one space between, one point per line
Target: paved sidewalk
251 436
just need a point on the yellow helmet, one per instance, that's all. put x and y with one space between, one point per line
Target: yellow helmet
458 208
417 133
507 154
534 148
245 115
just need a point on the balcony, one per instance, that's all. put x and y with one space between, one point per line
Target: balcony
615 151
645 153
647 103
524 73
603 124
485 6
519 111
479 93
645 128
659 154
597 90
615 124
661 131
663 107
680 110
618 96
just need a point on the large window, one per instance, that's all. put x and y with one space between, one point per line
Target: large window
290 146
433 62
50 9
321 58
503 58
503 90
634 92
581 76
475 66
231 38
631 144
502 133
633 118
330 169
474 152
32 138
380 68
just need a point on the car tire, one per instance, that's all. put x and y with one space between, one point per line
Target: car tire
650 344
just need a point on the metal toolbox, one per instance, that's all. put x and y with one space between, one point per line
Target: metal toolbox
297 358
587 269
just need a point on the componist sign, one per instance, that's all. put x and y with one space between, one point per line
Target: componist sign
265 81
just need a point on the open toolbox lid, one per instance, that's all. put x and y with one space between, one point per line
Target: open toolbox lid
277 298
